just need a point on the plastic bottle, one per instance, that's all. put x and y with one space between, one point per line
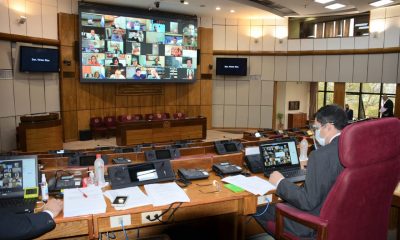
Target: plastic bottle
303 149
44 189
99 171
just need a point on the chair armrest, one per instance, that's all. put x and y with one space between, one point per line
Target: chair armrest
309 220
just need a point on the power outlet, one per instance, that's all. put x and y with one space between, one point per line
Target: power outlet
116 220
263 199
151 216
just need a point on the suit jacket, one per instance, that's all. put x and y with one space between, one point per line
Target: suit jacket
349 114
25 226
322 170
389 109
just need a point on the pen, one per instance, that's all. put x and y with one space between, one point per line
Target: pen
84 194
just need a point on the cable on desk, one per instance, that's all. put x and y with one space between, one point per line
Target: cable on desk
157 217
259 214
172 215
123 229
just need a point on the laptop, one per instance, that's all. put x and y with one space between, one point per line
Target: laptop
281 155
18 183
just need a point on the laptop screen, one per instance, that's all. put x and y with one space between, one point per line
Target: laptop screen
16 174
279 154
230 147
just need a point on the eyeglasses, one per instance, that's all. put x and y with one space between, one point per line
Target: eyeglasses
317 127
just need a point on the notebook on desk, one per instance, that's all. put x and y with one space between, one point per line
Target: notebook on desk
281 155
18 180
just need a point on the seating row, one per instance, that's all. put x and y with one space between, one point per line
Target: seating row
107 125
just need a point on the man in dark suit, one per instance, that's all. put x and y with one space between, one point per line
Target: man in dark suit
30 225
387 108
322 170
349 112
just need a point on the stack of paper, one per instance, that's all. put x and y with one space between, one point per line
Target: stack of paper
255 185
136 197
165 193
83 201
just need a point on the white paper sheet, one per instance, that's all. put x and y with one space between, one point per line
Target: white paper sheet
136 197
165 193
252 151
255 185
76 204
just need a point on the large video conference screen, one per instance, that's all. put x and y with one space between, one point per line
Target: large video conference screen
137 47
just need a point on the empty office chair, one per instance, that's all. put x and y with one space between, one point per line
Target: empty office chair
97 127
161 116
179 115
357 207
110 124
149 116
137 117
125 118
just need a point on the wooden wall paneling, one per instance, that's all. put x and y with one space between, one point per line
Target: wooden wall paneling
339 94
83 119
96 96
133 101
121 111
121 101
146 110
66 29
193 111
83 96
397 102
183 109
170 94
68 54
274 105
96 112
206 92
109 95
206 111
206 60
133 110
146 101
194 92
160 109
108 112
70 125
68 94
206 43
182 94
158 100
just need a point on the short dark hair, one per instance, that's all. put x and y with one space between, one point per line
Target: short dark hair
334 114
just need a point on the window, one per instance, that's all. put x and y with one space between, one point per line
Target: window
329 26
325 94
366 98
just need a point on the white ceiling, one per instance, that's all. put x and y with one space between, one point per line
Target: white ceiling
244 8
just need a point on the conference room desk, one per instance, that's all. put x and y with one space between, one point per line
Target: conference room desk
73 227
138 132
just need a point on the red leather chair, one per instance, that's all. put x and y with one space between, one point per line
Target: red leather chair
110 123
149 116
97 127
137 117
130 118
179 115
161 116
357 207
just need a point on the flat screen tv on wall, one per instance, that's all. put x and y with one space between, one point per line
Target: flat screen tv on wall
232 66
36 59
120 44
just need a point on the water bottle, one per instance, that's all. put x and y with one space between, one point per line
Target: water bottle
44 189
303 149
99 171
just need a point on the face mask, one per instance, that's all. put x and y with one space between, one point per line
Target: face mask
318 137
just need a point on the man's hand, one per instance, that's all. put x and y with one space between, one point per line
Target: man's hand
275 177
55 206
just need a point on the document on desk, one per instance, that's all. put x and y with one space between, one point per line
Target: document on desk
165 193
255 185
83 201
136 198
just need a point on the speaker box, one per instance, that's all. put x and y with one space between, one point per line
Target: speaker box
85 135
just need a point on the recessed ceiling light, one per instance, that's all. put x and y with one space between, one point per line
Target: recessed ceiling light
335 6
232 11
217 8
323 1
186 2
380 3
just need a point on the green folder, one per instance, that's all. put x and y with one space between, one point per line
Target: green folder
234 188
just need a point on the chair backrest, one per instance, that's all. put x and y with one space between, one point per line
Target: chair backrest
179 115
110 121
137 117
96 122
357 207
126 118
160 116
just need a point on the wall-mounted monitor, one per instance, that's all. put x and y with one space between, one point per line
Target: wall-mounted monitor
35 59
120 44
232 66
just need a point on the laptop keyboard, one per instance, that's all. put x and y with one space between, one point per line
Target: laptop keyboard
16 202
294 173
